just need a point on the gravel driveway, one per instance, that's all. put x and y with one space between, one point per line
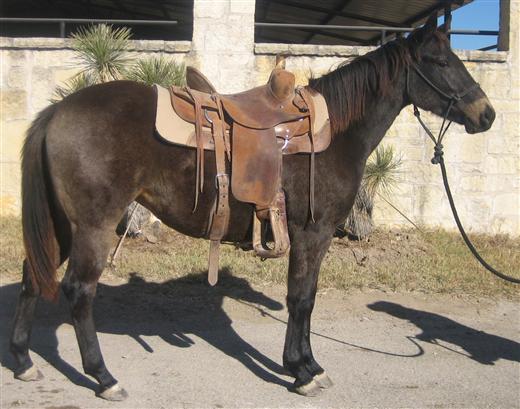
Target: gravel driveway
182 344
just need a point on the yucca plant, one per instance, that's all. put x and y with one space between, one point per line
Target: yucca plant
380 177
157 70
103 51
381 171
77 82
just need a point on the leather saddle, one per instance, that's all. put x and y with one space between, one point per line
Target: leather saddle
252 130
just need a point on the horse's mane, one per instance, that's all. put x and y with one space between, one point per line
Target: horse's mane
347 88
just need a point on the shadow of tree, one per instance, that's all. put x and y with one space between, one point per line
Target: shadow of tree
479 345
169 310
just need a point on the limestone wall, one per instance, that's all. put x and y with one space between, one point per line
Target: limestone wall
484 169
30 70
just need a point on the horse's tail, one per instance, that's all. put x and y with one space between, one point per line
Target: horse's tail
39 236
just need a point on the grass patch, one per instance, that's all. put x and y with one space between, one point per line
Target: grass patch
391 260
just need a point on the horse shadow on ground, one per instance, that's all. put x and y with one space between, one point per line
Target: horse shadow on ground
479 345
172 310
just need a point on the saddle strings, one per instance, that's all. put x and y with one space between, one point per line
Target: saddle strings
199 177
218 102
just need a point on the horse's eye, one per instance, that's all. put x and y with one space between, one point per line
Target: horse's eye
443 63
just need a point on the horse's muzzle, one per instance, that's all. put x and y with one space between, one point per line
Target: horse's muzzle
480 115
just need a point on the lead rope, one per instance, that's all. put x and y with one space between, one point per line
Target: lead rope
438 158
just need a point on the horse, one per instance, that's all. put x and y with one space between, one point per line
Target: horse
90 155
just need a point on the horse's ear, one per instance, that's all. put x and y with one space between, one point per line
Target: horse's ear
431 24
446 27
425 31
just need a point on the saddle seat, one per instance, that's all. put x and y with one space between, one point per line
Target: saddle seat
252 130
261 107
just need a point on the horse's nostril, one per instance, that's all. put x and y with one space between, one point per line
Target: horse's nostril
487 117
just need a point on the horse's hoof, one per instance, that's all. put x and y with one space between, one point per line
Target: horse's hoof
323 380
30 375
114 393
310 389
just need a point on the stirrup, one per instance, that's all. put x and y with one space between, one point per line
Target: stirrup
278 219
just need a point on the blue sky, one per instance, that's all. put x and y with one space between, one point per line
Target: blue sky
480 14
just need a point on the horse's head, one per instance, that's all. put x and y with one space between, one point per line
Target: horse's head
437 74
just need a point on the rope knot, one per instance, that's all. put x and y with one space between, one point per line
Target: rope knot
438 153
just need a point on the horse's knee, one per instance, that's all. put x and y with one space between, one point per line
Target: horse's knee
79 294
300 305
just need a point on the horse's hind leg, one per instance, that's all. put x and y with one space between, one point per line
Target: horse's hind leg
90 248
21 334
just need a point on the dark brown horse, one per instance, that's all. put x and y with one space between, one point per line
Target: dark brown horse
87 157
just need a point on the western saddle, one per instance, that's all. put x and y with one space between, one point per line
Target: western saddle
251 130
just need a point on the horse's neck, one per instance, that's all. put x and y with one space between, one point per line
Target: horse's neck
380 114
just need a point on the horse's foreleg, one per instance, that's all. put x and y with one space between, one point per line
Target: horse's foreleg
87 261
21 334
307 252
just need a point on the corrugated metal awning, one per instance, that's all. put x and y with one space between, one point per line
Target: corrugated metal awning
393 13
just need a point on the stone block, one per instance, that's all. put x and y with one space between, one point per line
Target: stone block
13 104
384 213
42 42
3 73
495 83
242 7
414 154
504 225
17 77
11 179
503 145
12 136
472 183
472 148
177 46
501 165
61 76
271 49
507 204
241 33
501 183
42 88
17 58
210 10
9 204
263 66
303 49
217 39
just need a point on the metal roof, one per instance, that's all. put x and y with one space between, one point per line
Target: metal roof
394 13
330 12
181 11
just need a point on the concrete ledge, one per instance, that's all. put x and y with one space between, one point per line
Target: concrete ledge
482 56
42 43
353 51
311 49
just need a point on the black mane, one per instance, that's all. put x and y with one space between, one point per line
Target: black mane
347 88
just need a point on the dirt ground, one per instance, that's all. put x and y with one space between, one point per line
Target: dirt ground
183 344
